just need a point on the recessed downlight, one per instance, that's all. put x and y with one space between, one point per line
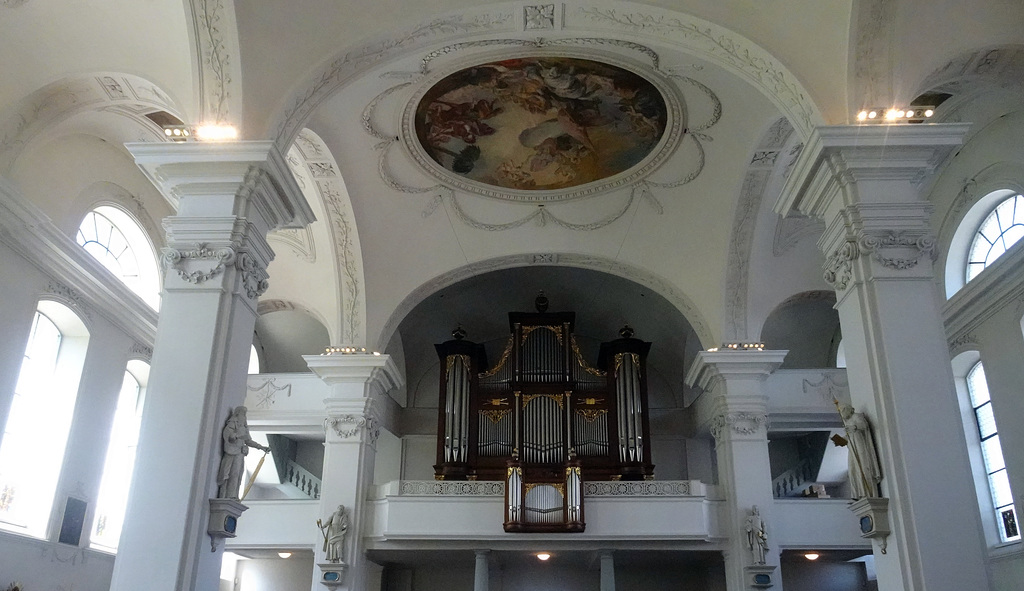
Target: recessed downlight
543 555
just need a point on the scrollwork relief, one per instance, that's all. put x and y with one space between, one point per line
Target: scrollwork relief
252 275
839 266
880 244
70 297
967 340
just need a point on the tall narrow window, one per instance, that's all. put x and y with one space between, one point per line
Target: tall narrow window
36 432
992 453
1000 230
120 461
117 241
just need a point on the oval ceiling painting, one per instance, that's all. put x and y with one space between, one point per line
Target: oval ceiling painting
540 123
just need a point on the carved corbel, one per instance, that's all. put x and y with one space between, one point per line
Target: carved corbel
253 275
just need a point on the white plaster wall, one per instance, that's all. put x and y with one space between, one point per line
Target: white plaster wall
275 574
39 564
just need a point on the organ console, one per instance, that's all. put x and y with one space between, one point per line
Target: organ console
542 418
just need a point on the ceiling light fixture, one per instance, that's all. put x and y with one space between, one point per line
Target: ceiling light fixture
285 554
543 556
812 556
913 114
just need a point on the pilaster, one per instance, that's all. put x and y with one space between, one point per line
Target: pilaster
735 409
866 183
228 196
359 382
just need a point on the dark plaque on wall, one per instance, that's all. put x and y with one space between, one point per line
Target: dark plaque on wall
73 522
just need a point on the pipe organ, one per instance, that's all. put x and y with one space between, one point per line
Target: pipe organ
542 418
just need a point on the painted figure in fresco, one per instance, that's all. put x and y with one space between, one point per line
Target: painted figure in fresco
236 442
540 123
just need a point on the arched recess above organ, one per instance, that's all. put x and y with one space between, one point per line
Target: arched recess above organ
807 325
285 331
127 97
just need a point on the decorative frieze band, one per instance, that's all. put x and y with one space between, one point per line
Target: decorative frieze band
651 488
892 249
742 423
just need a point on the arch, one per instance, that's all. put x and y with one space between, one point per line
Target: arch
985 67
126 95
319 177
637 22
807 325
41 414
985 194
765 164
107 227
642 277
285 334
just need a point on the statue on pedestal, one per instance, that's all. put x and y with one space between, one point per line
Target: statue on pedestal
757 536
334 534
237 442
865 471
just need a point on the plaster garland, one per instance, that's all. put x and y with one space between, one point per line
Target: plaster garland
172 258
828 388
349 426
742 423
445 191
266 392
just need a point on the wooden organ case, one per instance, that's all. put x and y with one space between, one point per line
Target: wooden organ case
542 419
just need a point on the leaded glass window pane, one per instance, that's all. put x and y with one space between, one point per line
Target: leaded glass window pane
998 232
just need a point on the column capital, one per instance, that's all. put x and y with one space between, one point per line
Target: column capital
711 367
836 159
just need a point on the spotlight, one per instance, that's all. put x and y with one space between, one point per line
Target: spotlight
862 115
929 113
285 554
811 556
872 115
543 556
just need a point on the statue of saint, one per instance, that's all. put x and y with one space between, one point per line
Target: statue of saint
757 536
334 534
865 471
236 445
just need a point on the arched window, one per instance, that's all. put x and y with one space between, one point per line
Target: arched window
992 454
120 461
1003 227
36 432
117 241
254 360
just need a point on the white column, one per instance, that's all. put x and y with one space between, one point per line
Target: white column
607 571
358 382
736 409
228 196
482 574
865 182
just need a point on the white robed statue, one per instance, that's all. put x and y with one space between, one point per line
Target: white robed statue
334 534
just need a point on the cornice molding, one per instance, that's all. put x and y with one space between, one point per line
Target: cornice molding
835 159
31 234
710 367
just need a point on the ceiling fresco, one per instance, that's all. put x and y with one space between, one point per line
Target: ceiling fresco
540 123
